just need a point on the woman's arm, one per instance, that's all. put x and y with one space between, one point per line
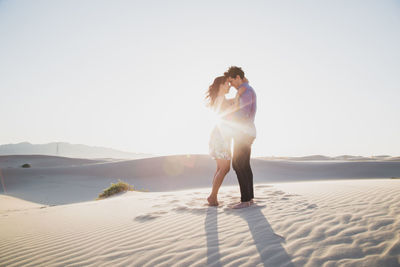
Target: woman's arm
236 102
232 105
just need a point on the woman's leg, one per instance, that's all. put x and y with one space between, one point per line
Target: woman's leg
211 198
223 167
215 174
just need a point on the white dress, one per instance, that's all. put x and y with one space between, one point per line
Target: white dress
221 136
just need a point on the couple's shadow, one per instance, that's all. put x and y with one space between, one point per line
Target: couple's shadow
268 244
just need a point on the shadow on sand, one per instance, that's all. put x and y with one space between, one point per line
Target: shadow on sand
268 244
211 227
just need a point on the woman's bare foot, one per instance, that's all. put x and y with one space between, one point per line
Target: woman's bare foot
212 201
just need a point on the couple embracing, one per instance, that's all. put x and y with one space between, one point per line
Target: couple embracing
236 124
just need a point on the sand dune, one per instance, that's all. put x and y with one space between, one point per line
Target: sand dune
298 219
331 223
40 161
67 150
57 180
336 158
9 203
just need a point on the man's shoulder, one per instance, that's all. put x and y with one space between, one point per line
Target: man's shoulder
250 90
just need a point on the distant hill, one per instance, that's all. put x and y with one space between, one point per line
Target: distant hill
337 158
64 149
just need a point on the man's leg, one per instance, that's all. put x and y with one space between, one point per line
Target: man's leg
249 172
241 165
247 168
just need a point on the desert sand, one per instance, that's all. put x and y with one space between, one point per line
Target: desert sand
305 214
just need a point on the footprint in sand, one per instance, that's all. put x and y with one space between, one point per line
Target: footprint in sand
194 210
255 206
292 195
262 186
145 218
149 216
312 206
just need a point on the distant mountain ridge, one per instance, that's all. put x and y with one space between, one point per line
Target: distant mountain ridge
65 149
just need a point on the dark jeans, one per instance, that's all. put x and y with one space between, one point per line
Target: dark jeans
241 165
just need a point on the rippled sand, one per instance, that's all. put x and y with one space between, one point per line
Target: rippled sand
330 223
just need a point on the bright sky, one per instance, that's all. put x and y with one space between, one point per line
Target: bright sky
132 75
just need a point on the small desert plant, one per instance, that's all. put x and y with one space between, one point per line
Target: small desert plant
26 165
116 188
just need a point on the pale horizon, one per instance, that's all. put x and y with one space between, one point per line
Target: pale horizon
131 77
61 153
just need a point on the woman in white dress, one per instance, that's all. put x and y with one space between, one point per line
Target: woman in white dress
221 136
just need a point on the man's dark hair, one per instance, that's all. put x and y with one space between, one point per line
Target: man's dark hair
233 72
